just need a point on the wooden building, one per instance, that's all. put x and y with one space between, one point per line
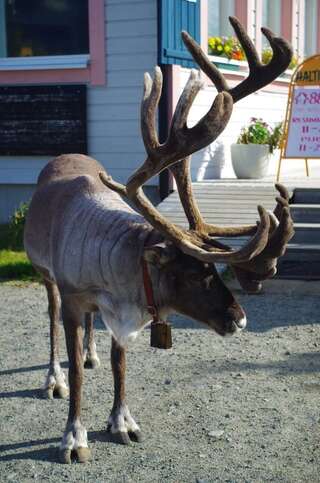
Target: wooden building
71 74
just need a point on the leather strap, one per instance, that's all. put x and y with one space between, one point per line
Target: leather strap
152 309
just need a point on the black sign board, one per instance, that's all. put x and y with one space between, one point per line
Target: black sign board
43 120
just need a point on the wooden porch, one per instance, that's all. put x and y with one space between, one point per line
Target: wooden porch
234 202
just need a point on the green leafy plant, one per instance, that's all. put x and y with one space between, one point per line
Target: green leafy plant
228 47
276 137
266 57
259 132
16 227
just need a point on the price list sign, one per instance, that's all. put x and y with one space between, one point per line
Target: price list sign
301 130
303 139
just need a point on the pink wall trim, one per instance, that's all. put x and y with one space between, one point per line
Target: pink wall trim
97 42
257 33
95 73
241 11
204 25
287 19
44 76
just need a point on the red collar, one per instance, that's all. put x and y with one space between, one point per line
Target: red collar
152 309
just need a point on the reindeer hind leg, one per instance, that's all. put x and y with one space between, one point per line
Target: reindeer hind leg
55 384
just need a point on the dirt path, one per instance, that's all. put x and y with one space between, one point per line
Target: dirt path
241 409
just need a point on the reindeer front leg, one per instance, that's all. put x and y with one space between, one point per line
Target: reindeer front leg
74 443
90 356
120 423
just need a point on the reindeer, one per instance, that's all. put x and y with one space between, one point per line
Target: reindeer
92 248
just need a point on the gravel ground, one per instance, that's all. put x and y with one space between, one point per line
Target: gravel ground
239 409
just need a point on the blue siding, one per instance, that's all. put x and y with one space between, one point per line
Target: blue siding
177 15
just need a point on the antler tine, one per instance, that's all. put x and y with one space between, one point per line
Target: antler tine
184 104
282 51
149 104
260 75
281 236
282 200
181 173
246 43
204 63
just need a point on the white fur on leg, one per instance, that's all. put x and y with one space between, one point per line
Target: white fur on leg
90 355
55 382
74 437
120 420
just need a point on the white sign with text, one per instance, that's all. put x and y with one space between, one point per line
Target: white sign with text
303 139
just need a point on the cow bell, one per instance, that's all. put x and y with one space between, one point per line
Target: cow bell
161 335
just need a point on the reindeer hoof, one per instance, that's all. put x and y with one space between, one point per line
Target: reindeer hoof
92 363
59 392
80 455
83 455
55 384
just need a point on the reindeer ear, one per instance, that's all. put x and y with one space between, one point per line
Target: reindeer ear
160 254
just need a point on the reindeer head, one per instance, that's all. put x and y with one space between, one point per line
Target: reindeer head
186 260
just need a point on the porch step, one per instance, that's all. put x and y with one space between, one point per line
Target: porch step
305 213
306 233
306 196
298 270
302 252
302 258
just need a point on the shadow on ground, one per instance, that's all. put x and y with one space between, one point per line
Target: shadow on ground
299 363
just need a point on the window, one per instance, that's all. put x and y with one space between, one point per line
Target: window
52 41
271 17
310 27
43 28
218 13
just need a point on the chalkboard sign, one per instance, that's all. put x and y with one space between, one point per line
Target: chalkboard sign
43 120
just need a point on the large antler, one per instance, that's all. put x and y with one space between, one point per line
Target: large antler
182 142
259 76
262 266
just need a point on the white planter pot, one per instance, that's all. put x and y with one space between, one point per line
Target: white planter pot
250 160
